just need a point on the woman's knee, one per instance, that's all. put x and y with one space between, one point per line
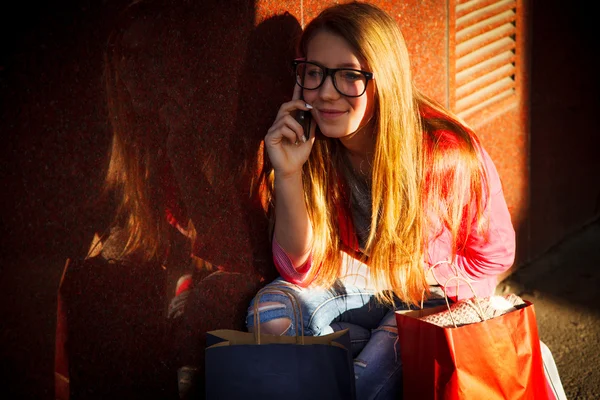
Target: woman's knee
276 327
272 318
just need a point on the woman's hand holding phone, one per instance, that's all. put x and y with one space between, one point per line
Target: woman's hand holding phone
286 143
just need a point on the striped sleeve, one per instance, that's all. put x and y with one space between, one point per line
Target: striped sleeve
286 269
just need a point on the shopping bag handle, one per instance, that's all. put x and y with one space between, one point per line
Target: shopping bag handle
475 298
457 277
432 269
295 308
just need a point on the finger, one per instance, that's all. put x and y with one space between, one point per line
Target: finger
287 120
297 92
291 106
298 125
291 122
291 137
288 129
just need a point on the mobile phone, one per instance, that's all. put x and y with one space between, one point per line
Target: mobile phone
304 118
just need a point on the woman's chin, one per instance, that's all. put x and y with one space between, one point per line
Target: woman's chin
335 133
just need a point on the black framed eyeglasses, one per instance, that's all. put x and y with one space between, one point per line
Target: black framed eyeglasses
347 81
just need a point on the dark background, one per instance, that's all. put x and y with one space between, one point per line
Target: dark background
53 122
55 139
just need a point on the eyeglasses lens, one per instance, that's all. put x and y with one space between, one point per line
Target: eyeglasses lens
348 82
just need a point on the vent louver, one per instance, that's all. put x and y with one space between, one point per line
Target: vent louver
485 54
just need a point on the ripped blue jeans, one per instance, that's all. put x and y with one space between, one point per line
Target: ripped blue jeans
371 325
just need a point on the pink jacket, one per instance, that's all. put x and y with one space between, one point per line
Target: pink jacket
483 259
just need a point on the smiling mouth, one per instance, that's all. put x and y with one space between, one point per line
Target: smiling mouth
329 114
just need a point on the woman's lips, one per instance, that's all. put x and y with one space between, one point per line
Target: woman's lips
330 114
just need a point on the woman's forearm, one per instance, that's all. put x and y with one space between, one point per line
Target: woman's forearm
293 230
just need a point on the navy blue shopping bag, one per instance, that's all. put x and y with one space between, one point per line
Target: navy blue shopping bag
283 370
243 365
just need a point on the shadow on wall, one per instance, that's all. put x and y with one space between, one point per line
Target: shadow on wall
204 84
205 95
195 98
240 78
201 96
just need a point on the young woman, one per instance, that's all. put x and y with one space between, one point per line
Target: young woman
387 185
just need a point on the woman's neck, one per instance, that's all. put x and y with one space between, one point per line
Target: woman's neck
359 148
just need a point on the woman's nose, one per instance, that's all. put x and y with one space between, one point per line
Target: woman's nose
327 91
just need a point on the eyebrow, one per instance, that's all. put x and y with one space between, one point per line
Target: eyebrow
343 65
350 65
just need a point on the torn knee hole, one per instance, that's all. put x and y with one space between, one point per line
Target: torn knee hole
277 327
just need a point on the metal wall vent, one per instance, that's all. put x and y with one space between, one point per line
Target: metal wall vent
485 54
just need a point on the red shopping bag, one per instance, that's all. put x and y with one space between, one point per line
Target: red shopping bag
498 358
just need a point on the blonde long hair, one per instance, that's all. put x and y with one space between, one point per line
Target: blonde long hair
426 171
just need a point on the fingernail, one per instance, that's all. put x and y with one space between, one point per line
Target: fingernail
303 139
308 106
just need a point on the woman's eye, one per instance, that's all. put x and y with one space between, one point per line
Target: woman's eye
314 73
351 75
